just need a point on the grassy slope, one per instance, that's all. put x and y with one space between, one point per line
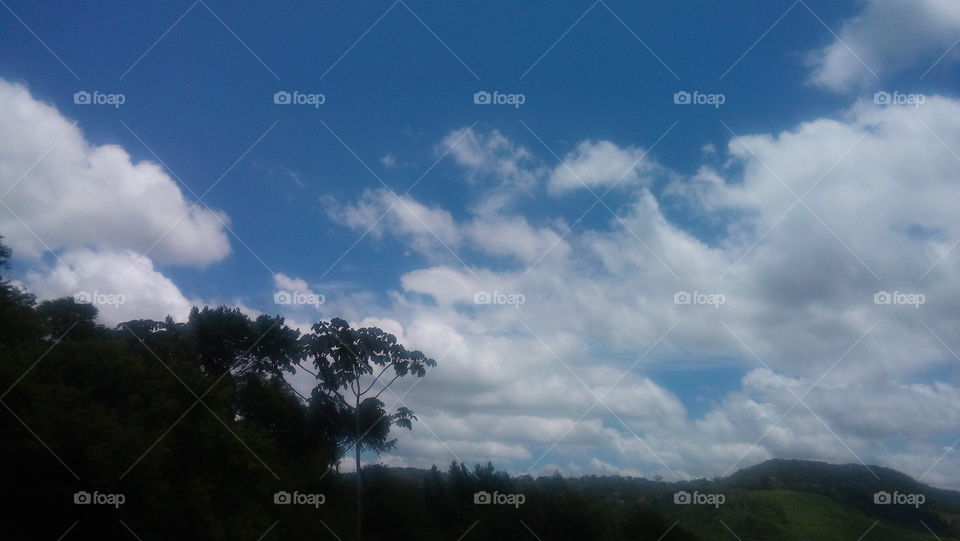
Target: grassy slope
786 515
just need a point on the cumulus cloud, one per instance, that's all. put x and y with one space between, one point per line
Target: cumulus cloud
106 219
812 223
122 285
798 317
60 191
886 37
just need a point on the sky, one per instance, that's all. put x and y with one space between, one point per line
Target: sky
647 238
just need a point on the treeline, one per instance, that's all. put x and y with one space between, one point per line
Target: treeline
165 430
146 411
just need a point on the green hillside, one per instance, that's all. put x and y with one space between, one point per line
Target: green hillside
789 515
788 500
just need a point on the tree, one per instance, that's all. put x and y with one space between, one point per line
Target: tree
225 339
17 318
346 360
65 314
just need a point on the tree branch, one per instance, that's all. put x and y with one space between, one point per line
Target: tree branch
333 395
372 383
312 373
287 383
387 385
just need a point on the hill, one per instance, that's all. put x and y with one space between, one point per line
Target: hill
775 500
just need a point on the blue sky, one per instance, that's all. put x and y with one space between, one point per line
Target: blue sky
702 199
198 98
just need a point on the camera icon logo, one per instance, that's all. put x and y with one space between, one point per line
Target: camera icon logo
482 297
682 297
681 98
482 98
482 498
83 297
81 98
681 498
281 497
281 97
882 498
882 297
81 498
282 297
881 98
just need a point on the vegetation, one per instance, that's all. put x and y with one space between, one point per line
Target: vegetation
196 427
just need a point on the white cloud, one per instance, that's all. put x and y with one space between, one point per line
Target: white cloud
799 291
98 212
444 284
878 184
505 170
381 211
433 231
514 236
286 283
71 193
886 37
125 283
492 154
389 161
600 163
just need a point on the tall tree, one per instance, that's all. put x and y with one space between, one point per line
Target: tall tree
350 364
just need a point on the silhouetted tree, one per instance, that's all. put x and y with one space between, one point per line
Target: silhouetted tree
62 315
17 319
353 361
225 339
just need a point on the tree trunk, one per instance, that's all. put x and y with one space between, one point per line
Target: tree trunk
356 450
